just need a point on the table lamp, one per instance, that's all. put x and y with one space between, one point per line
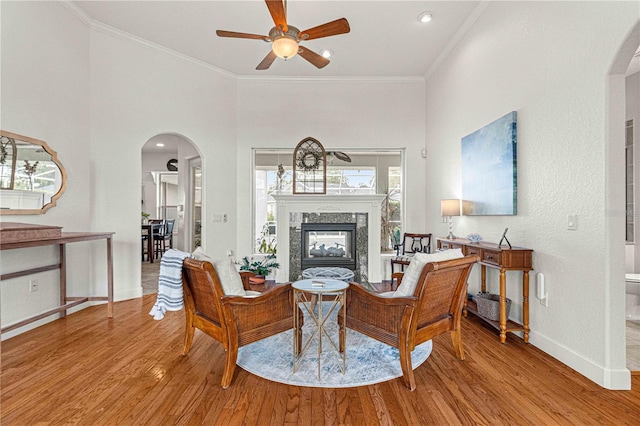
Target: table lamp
450 208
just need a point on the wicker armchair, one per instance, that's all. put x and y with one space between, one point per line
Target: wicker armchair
234 321
405 322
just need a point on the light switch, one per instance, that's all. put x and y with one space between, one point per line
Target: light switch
572 222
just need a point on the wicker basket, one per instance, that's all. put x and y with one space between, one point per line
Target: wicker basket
489 306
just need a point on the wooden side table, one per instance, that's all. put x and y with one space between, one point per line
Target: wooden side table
305 293
18 236
504 259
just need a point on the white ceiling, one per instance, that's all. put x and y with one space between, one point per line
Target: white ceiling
386 39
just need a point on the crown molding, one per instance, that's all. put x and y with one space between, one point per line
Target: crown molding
123 35
462 31
79 13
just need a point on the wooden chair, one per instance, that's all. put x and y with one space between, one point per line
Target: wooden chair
405 322
411 244
161 238
234 321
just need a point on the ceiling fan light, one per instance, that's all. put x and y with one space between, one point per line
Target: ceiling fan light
285 47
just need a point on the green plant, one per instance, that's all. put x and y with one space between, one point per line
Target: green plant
259 267
266 241
146 215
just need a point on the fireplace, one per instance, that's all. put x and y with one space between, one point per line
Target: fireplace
295 210
328 244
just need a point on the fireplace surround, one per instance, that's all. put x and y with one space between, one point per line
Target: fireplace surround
363 208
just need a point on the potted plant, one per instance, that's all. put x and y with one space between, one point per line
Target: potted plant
261 267
145 217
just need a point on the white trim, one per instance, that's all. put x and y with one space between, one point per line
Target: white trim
614 379
462 31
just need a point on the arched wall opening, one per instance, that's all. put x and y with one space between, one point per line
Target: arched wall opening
168 187
615 195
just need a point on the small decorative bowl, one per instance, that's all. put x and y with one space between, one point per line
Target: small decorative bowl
474 238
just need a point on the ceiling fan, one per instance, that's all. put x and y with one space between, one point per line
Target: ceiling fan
284 38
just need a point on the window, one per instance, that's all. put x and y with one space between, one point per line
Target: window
370 172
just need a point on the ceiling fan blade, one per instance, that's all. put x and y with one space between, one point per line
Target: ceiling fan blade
279 15
313 57
223 33
339 26
342 156
267 61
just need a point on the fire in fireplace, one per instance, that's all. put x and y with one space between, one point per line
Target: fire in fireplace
328 244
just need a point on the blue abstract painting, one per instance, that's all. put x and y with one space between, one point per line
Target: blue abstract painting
489 172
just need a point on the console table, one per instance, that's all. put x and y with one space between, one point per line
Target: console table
505 259
20 235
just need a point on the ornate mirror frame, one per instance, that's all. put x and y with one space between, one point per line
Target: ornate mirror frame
8 184
309 167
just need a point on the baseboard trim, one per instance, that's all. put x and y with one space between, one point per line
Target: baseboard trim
614 379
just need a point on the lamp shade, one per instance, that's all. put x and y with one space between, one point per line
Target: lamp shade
285 47
450 207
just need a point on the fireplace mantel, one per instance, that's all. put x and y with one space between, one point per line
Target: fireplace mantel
370 204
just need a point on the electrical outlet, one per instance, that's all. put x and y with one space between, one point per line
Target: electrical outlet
33 286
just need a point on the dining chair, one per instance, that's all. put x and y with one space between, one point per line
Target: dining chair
412 243
165 234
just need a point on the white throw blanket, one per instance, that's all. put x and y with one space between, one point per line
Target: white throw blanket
169 284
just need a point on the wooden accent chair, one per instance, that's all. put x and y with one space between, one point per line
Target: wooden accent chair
411 244
234 321
405 322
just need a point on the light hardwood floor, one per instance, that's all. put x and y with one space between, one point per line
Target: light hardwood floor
89 370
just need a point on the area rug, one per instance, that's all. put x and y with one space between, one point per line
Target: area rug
367 360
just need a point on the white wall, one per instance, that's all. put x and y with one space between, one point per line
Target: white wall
549 62
96 97
341 114
137 93
45 95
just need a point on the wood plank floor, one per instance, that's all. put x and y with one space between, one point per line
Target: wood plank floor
89 370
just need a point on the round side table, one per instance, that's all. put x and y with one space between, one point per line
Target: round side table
305 292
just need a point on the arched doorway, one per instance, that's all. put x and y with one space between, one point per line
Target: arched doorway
170 191
617 119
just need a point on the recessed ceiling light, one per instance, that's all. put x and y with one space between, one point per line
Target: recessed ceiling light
160 144
327 53
425 17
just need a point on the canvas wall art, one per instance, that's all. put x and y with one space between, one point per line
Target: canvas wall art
489 172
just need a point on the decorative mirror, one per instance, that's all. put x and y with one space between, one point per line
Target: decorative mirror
309 168
31 177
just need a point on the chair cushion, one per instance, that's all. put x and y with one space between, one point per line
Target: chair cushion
412 274
227 273
404 257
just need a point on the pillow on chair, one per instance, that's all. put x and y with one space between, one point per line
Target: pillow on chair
227 273
412 274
